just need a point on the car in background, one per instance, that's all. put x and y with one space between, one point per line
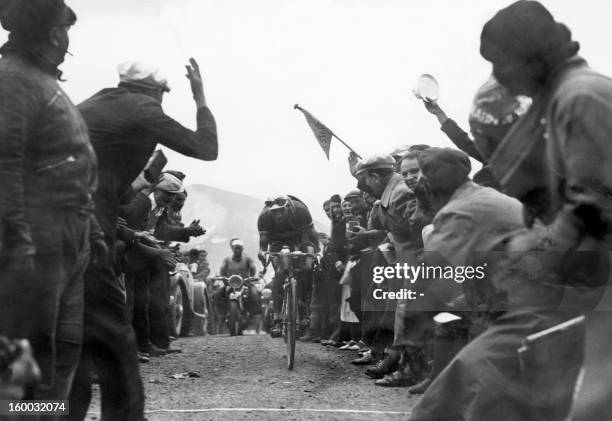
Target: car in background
189 303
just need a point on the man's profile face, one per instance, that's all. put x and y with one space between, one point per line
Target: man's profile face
60 40
178 202
374 183
163 199
409 170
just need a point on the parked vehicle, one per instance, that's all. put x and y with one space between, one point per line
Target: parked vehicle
189 303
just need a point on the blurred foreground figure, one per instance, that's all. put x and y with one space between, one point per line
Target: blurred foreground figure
125 124
48 176
557 161
18 370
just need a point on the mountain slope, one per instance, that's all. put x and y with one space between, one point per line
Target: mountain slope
224 215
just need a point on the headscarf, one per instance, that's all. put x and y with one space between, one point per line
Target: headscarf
528 31
29 19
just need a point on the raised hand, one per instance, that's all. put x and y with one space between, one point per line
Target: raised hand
195 78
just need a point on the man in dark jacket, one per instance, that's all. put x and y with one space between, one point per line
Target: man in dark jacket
48 176
125 125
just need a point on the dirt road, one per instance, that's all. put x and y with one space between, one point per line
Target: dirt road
245 378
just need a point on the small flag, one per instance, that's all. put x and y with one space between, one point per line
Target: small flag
321 132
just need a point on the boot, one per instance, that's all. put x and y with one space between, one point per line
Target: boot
403 376
420 388
399 378
154 351
387 365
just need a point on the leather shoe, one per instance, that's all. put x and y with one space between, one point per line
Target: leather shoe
420 388
387 365
143 358
154 351
173 350
366 359
399 378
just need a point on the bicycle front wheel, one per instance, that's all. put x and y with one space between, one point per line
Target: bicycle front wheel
291 320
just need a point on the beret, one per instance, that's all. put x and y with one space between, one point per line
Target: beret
444 167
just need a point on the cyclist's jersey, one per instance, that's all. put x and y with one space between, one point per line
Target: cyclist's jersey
245 267
295 230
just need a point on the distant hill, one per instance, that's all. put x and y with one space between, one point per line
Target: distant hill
224 215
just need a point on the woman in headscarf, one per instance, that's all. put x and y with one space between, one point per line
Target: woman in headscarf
557 161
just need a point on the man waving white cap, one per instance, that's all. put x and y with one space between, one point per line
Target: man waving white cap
141 74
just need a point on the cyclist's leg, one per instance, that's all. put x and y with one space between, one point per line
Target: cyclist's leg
277 302
277 294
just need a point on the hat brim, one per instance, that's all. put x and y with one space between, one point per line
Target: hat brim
145 85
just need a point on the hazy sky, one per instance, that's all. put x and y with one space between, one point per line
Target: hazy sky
352 63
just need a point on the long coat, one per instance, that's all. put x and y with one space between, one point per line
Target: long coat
557 160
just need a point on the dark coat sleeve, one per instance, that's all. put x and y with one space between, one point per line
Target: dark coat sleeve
17 107
136 213
166 231
201 144
461 139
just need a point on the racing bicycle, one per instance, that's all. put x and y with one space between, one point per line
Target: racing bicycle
287 263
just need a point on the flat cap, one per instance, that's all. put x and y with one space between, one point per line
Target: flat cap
375 162
141 74
170 184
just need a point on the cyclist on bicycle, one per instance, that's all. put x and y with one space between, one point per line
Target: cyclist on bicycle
286 221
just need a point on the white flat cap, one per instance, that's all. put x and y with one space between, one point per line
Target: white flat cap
141 74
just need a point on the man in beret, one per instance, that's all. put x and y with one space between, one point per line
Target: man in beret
469 219
48 172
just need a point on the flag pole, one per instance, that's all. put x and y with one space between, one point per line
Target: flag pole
296 106
351 149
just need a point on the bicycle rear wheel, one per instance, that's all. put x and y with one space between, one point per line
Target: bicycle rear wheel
291 320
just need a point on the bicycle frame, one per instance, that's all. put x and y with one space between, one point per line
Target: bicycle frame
289 312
